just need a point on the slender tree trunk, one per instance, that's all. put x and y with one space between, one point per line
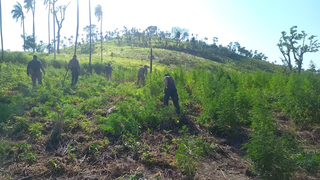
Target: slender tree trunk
101 38
58 44
54 29
2 56
300 65
75 46
49 28
24 36
90 36
34 30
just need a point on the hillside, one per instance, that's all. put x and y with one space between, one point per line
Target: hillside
118 130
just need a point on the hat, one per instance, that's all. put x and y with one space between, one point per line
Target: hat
167 74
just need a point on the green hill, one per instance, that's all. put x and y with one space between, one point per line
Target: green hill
118 130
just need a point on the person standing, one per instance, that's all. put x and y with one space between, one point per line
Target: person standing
108 71
170 90
141 74
33 69
74 66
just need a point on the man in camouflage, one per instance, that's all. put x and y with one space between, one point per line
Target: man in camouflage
33 69
141 74
170 90
108 71
74 66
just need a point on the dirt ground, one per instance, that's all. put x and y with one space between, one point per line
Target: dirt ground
90 156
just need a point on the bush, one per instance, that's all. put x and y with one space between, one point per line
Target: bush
310 161
4 148
272 157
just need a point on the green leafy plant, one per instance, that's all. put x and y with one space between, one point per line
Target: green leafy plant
35 129
272 157
190 151
310 161
4 148
30 156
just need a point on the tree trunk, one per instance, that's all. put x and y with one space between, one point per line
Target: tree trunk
24 36
2 56
101 38
34 30
54 29
75 46
300 65
90 36
58 44
49 28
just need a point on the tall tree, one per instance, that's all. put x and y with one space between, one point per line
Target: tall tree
90 36
2 56
62 10
296 43
17 13
47 3
179 34
77 34
98 13
54 28
31 4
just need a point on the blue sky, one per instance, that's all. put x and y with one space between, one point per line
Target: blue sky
255 24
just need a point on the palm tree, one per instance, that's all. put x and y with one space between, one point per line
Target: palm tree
48 4
31 4
98 13
75 45
90 36
17 13
54 28
1 32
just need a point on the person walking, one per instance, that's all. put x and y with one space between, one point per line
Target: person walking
74 66
108 71
33 69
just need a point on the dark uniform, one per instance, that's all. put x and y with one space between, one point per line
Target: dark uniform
33 69
170 90
142 71
74 66
108 70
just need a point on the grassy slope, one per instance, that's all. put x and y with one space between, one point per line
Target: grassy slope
84 150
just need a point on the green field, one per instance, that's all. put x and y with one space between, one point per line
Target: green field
260 123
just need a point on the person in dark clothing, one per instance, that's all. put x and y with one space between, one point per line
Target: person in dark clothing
141 74
33 69
170 90
108 71
74 66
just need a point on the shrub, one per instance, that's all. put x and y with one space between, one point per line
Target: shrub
4 148
190 151
35 130
310 161
272 157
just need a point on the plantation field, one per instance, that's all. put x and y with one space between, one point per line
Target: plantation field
237 122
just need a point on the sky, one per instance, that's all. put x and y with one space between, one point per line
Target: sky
255 24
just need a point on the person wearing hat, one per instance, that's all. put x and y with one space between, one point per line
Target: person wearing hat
74 66
141 74
33 69
108 71
170 90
